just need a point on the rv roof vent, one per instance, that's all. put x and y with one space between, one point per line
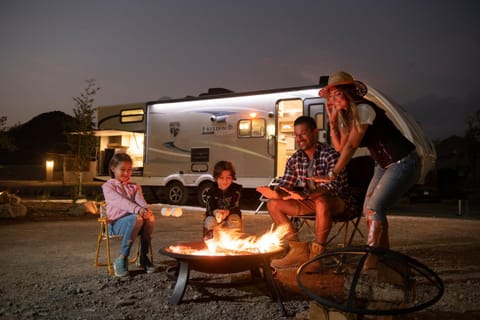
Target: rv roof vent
213 91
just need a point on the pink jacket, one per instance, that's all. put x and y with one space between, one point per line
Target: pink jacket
122 198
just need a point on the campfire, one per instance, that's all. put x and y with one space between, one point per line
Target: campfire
227 252
233 242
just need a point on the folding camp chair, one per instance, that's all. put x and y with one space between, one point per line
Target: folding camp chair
104 236
273 183
349 227
359 172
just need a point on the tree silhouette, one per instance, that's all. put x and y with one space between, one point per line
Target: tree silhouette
472 136
6 142
473 127
83 141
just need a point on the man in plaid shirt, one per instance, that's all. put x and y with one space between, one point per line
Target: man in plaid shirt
298 194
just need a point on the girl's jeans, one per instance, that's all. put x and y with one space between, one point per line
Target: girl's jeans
388 185
129 227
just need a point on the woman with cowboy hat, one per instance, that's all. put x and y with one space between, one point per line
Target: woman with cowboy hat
357 122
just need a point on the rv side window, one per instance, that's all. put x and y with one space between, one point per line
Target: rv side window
132 115
251 128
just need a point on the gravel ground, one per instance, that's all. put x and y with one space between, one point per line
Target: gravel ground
47 270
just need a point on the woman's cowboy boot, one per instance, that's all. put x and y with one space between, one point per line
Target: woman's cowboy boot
316 249
377 237
297 255
384 239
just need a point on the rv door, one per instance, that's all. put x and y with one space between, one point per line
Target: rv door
315 108
287 110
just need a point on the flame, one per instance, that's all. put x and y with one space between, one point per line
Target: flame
233 242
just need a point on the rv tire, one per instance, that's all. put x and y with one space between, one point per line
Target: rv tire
202 193
177 193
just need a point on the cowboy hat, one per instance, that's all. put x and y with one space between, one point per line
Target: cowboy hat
342 78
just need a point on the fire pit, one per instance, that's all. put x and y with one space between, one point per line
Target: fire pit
199 256
401 285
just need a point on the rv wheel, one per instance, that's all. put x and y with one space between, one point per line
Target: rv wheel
177 193
202 193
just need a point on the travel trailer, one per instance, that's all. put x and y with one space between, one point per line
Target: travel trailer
175 143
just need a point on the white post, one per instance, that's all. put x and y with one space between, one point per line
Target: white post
80 177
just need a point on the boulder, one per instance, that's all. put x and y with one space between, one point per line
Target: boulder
11 206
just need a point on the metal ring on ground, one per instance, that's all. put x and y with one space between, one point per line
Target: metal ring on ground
427 286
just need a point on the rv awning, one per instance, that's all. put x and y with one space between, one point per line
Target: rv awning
109 133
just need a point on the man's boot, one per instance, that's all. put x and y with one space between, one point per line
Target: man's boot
297 255
316 249
377 237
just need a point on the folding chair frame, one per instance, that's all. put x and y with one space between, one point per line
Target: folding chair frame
103 236
299 222
273 183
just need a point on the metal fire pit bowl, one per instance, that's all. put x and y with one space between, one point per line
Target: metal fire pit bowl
221 264
417 288
232 263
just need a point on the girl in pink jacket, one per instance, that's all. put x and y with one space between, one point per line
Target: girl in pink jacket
128 214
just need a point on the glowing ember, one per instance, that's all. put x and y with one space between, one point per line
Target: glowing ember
231 242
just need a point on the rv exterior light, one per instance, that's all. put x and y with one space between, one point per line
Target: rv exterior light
253 115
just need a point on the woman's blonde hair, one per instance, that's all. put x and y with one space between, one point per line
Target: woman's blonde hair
349 119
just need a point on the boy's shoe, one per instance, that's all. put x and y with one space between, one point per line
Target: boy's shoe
145 263
120 266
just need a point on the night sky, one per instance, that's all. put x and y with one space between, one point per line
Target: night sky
424 54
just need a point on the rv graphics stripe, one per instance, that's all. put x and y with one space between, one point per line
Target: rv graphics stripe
170 153
171 145
241 150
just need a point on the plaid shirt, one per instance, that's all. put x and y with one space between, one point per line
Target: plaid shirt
325 158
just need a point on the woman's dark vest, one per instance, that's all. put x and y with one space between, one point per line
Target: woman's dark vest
385 142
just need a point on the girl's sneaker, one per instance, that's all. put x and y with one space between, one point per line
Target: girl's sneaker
145 263
120 266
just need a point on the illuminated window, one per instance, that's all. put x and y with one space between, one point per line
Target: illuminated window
132 115
244 128
251 128
258 127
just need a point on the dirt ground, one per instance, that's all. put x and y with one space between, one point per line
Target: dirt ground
47 269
